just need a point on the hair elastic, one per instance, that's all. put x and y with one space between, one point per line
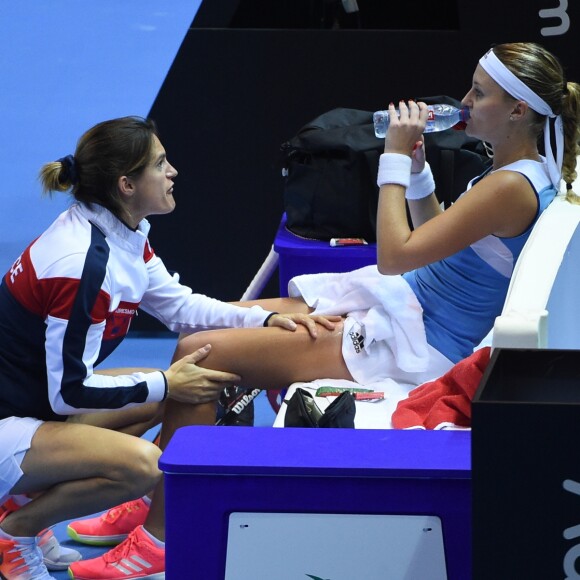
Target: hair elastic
70 169
508 81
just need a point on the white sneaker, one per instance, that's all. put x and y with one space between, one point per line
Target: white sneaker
55 556
21 559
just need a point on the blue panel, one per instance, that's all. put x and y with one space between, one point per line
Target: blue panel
66 65
315 452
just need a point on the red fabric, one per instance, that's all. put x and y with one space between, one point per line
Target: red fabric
274 398
446 399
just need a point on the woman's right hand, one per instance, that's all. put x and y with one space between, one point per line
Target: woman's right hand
405 128
189 383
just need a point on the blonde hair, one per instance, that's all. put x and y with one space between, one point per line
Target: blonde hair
542 72
51 179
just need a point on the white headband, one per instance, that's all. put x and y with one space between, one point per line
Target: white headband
519 90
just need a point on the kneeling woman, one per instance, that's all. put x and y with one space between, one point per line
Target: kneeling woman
70 435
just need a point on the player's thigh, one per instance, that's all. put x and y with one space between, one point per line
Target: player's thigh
135 421
271 357
63 452
286 305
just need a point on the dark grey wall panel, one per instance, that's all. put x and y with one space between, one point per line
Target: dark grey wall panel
233 96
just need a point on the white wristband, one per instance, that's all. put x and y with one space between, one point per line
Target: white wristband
394 168
422 184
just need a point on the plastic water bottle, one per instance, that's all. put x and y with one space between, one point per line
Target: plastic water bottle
440 117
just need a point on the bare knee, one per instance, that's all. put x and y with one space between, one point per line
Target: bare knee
191 343
139 472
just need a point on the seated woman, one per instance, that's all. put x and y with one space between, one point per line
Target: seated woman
438 286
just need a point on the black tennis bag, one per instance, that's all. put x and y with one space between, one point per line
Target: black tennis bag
330 170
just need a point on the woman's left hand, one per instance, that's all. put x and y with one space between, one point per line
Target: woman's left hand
418 156
292 320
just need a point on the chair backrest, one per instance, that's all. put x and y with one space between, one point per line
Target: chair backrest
541 307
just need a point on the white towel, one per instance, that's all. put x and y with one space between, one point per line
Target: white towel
385 305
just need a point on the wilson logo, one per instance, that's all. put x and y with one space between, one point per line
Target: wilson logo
244 401
560 16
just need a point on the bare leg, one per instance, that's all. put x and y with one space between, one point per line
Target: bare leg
263 357
177 415
82 470
279 304
136 421
271 358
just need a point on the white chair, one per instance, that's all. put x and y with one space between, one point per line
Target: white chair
542 299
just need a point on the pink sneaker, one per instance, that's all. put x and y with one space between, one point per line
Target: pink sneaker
111 527
136 558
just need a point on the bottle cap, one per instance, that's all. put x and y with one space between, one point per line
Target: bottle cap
464 116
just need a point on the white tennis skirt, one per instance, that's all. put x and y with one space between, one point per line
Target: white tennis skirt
15 436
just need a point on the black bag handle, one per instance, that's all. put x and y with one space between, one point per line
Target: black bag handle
446 177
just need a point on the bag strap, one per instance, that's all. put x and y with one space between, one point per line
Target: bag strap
446 177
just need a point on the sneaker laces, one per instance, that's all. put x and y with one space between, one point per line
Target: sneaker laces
118 511
32 565
123 549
